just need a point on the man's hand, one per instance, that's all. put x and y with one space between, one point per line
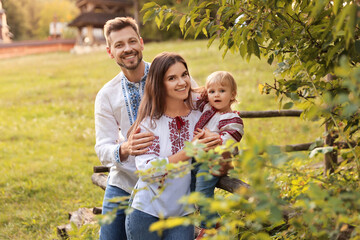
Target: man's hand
136 144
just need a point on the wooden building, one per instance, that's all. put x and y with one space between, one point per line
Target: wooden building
93 16
5 35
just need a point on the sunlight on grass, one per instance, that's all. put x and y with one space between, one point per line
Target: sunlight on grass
47 128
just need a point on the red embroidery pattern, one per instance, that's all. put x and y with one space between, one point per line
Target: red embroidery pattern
178 137
235 134
225 122
155 147
204 118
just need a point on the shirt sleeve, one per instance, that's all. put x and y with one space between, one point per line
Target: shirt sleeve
231 127
152 166
108 140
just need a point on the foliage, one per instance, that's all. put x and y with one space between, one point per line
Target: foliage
316 45
47 129
31 19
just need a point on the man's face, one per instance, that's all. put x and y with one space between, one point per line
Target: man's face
126 48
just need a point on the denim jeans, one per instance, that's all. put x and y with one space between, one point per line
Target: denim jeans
138 223
206 186
115 230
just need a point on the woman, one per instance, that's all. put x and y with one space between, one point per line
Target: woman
166 110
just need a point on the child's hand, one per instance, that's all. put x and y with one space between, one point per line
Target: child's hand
199 133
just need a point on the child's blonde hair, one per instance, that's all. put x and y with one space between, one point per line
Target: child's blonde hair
223 78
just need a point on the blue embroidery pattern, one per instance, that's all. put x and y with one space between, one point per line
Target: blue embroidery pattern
116 153
133 93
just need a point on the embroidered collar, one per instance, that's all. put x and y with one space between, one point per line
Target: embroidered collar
133 93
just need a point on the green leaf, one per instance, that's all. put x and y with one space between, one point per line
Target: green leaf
182 24
148 5
243 50
256 48
158 21
211 40
201 26
337 4
288 105
270 59
322 150
148 15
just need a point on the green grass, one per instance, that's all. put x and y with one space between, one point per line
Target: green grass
47 128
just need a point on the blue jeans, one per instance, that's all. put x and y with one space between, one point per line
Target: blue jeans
206 186
138 223
115 230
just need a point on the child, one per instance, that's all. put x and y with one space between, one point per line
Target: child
215 103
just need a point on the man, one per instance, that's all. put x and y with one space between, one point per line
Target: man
116 107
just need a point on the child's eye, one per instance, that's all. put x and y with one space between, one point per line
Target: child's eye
211 91
222 90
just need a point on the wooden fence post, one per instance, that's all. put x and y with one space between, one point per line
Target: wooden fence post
330 158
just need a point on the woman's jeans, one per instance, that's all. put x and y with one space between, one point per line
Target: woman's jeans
138 223
115 230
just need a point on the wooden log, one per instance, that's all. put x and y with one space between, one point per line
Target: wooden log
99 179
227 183
62 231
101 169
271 113
231 184
80 217
97 210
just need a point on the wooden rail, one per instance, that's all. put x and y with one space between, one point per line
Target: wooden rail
271 113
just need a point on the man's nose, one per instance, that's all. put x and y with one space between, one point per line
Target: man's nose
127 48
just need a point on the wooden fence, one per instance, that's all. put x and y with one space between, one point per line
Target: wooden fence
99 177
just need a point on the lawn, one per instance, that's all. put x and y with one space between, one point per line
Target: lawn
47 128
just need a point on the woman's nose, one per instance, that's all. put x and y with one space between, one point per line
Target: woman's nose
182 81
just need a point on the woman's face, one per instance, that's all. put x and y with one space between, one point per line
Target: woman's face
177 82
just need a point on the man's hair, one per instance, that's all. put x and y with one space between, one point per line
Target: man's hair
117 24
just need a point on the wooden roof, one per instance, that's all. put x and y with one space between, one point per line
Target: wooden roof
95 19
80 3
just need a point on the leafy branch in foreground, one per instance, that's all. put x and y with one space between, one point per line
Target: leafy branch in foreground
316 46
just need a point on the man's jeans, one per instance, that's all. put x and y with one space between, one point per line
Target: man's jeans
115 230
138 223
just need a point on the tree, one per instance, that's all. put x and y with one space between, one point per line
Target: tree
31 19
316 45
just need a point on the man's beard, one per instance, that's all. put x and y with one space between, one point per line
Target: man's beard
132 67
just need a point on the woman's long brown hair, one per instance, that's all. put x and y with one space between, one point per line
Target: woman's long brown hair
153 102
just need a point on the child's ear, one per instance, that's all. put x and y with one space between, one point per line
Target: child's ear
233 95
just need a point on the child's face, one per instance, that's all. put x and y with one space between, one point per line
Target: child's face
220 97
